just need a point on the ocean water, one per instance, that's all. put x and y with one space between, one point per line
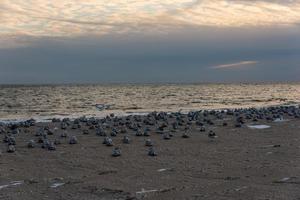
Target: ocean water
46 102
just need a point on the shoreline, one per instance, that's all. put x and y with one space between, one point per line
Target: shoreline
101 115
150 84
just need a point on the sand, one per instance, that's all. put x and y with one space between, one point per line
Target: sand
241 163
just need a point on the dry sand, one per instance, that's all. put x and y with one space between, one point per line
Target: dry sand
241 163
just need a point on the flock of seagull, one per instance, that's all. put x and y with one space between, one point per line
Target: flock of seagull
166 124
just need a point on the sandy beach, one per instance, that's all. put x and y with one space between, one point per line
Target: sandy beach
240 163
150 100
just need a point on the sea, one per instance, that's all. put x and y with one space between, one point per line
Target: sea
44 102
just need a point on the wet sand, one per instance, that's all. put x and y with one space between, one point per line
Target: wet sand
241 163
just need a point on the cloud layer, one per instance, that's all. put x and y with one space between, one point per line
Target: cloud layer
69 18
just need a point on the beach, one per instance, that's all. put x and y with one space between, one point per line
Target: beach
150 100
256 162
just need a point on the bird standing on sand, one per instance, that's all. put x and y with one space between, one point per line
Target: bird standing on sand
166 136
11 149
31 144
138 133
113 133
63 135
148 143
51 146
151 152
108 141
212 134
100 132
85 132
202 129
73 140
126 139
185 135
116 152
147 132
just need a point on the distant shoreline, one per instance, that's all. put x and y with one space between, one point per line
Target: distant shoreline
47 119
147 84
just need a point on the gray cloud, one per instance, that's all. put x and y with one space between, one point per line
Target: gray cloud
184 56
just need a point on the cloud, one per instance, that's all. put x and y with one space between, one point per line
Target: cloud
71 18
235 65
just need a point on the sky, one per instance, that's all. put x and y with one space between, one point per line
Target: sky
139 41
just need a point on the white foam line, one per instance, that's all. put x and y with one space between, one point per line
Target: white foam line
46 119
121 113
